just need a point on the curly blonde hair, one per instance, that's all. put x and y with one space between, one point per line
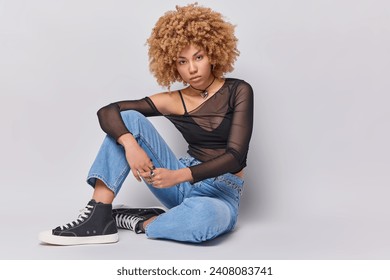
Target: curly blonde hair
190 25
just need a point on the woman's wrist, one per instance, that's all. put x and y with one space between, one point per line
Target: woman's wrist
184 175
127 140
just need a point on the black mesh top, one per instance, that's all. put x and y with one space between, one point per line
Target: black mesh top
217 132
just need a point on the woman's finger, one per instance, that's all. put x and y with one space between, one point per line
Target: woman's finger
149 173
136 175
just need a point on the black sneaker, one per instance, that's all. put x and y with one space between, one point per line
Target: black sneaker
131 218
94 225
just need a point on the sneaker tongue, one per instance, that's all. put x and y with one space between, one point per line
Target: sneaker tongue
93 202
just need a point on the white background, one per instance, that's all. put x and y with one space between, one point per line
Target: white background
317 181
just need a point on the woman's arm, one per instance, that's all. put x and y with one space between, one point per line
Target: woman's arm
111 122
110 118
156 105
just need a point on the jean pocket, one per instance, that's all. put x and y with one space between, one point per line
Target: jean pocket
231 180
230 188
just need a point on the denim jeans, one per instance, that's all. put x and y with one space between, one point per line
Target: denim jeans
197 212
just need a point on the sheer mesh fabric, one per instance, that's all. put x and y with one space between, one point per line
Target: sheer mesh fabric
218 132
110 118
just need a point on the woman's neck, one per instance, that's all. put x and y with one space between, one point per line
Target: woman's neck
214 86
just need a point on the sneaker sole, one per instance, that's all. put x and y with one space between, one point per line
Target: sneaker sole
49 238
124 206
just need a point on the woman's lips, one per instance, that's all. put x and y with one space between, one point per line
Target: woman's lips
195 79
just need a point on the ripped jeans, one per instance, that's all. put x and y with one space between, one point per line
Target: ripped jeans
197 212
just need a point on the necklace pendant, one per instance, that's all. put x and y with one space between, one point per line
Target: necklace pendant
203 92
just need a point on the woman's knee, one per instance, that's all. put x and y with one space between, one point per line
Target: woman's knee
134 120
131 115
199 219
210 210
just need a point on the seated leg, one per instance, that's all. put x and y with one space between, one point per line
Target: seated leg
197 219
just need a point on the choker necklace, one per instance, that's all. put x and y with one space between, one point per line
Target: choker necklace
204 93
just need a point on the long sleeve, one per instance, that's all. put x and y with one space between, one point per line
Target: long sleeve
234 158
110 119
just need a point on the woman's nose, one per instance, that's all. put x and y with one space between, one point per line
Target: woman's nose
192 68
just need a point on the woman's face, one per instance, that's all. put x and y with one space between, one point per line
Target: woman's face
194 67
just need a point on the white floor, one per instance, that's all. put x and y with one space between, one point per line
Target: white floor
325 238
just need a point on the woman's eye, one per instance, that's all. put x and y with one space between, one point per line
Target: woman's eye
199 57
181 62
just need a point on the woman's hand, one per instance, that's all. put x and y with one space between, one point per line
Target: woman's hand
165 178
136 157
142 166
139 162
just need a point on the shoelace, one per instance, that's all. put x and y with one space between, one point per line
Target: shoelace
126 221
84 213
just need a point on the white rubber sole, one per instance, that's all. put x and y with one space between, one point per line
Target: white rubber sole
49 238
119 206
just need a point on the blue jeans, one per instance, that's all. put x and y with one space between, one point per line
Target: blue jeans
197 212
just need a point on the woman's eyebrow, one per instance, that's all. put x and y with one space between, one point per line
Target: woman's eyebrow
195 54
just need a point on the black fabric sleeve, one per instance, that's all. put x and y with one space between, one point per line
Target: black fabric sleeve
110 119
234 158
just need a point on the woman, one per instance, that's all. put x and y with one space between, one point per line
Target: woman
201 190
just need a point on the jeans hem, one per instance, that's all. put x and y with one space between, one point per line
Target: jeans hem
95 176
146 228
